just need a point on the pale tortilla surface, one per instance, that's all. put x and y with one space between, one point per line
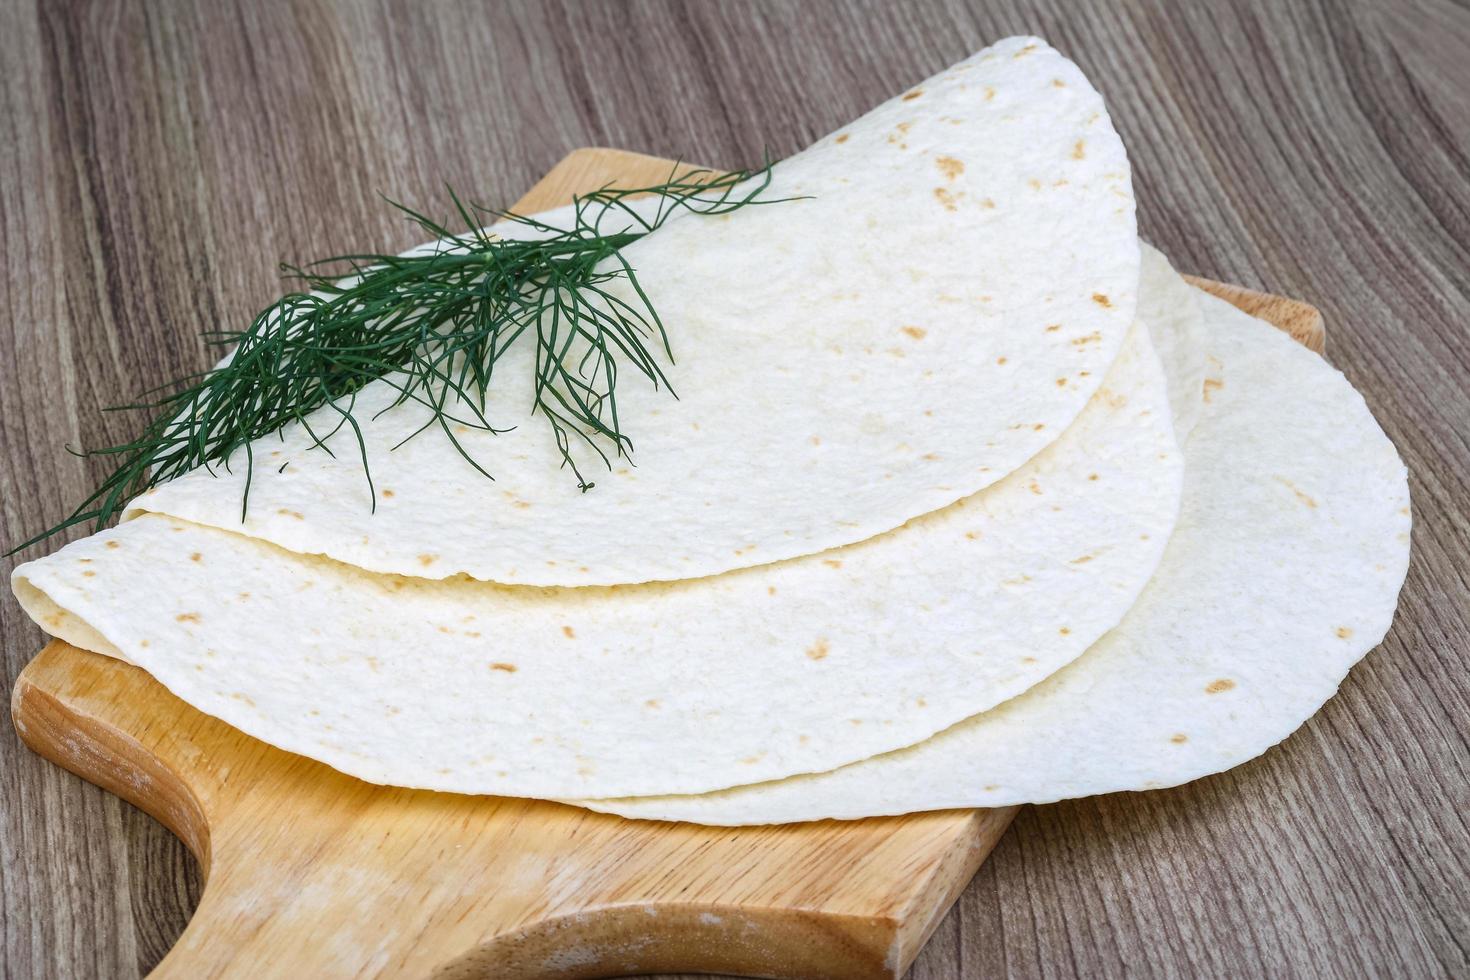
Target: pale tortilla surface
1284 570
941 302
1170 306
795 667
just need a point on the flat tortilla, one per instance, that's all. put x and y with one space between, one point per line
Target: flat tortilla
935 313
1284 570
795 667
1170 306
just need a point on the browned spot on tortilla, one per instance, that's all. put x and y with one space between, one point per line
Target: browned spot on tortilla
1092 476
1343 632
1058 83
818 650
387 493
568 632
241 696
949 199
1179 738
770 590
973 535
445 629
816 440
1034 184
88 574
1219 686
1000 360
508 668
1053 327
1028 660
1024 51
915 332
913 95
1300 495
427 560
931 457
1091 338
750 760
1081 561
196 556
1034 487
921 702
988 204
142 643
1065 631
950 167
651 703
904 127
1102 301
832 562
842 138
1079 150
290 513
113 544
1061 382
472 634
1039 426
1212 385
189 617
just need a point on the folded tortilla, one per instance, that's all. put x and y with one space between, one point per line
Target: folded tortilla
943 299
795 667
1284 570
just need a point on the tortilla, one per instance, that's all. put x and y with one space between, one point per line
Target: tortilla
1170 307
1284 570
936 309
795 667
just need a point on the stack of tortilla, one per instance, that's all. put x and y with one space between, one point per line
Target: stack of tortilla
968 499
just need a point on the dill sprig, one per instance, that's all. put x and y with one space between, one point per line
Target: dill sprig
434 325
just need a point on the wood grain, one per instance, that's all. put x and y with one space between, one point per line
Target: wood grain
315 874
158 158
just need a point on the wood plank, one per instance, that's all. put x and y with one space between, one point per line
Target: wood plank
161 157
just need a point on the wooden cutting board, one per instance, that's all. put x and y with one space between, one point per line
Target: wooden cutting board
311 873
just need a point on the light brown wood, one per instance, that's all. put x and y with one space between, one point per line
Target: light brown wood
310 873
313 873
159 158
1302 320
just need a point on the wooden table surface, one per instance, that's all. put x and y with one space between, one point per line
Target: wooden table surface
157 159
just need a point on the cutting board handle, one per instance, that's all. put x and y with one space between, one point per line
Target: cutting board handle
311 873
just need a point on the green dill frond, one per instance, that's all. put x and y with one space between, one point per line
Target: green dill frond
434 325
